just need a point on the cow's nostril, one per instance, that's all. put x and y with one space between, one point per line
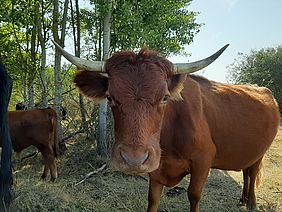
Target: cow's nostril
134 161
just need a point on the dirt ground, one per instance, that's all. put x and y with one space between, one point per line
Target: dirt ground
109 191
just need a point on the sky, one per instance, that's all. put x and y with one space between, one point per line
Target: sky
244 24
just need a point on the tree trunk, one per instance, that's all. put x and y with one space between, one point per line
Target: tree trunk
32 63
81 100
44 100
42 38
102 144
24 87
32 69
57 65
76 36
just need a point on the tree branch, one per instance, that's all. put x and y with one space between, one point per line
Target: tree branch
92 173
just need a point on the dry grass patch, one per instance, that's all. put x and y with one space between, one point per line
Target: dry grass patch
109 191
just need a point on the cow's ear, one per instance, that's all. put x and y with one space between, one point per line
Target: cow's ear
175 85
92 84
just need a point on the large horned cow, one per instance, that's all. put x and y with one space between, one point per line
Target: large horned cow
169 123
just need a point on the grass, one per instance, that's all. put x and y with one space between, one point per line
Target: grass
109 191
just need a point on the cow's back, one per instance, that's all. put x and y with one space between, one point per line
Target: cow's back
236 123
243 121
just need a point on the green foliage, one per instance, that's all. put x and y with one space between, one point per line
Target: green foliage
263 67
17 22
10 54
163 25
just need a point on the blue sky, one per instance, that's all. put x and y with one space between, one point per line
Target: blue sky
244 24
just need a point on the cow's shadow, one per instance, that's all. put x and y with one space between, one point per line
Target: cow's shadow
222 193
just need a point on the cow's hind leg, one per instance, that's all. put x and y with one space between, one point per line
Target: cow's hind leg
50 163
246 185
248 194
253 173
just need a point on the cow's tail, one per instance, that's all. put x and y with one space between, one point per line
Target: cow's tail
260 174
55 134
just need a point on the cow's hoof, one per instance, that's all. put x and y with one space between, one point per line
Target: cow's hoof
243 201
53 180
251 206
44 177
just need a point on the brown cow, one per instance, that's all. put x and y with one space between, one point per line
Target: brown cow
37 128
170 124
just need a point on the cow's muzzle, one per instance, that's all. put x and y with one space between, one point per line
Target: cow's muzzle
135 159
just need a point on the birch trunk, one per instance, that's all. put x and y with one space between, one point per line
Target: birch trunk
57 63
42 38
77 41
81 100
32 63
102 144
24 90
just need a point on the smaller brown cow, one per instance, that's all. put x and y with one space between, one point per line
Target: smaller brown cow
37 128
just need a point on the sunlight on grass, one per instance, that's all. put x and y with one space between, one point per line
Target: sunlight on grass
110 191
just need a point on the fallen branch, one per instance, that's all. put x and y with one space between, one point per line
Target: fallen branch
92 173
20 160
72 135
29 156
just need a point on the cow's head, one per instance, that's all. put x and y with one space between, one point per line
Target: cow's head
137 88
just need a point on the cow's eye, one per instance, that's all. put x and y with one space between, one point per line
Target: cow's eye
165 98
109 98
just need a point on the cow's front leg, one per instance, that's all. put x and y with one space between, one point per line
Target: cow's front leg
198 178
155 193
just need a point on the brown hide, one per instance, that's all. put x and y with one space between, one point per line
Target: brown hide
37 128
171 125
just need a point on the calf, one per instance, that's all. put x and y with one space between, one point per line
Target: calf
37 128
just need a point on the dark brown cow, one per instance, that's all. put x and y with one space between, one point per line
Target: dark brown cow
37 128
169 124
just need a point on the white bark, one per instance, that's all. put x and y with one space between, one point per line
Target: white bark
32 65
102 143
42 39
57 65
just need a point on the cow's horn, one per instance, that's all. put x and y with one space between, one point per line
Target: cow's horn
81 63
198 65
